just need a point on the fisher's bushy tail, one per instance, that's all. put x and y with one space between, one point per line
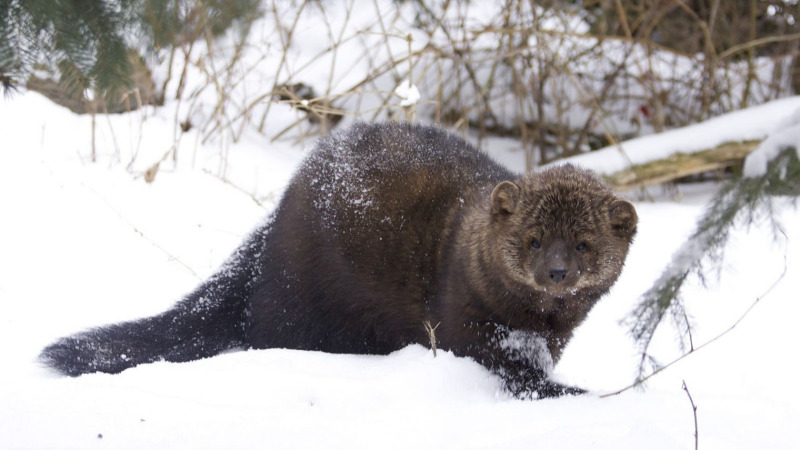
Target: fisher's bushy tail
206 322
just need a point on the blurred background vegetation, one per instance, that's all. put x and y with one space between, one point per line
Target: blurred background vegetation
563 77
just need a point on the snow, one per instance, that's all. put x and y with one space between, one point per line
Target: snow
408 93
786 136
755 123
85 244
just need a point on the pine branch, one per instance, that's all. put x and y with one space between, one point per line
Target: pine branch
742 201
84 40
88 41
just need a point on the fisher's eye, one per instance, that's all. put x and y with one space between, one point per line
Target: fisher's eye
581 247
535 244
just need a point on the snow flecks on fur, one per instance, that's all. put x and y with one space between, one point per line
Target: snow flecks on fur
339 163
340 179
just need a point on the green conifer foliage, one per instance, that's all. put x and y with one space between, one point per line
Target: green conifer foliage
83 39
742 201
88 42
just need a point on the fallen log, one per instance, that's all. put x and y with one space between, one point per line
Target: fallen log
680 165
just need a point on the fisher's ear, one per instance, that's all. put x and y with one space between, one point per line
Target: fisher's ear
623 218
505 197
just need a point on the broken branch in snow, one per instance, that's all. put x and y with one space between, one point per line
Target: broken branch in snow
432 334
681 165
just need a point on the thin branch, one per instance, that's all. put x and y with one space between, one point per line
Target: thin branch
432 334
140 233
694 413
641 380
757 43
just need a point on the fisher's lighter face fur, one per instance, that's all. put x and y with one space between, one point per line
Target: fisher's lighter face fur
560 232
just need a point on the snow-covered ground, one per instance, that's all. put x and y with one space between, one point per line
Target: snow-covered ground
84 244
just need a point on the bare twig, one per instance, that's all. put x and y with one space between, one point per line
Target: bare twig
431 334
694 413
758 43
561 90
240 189
140 233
